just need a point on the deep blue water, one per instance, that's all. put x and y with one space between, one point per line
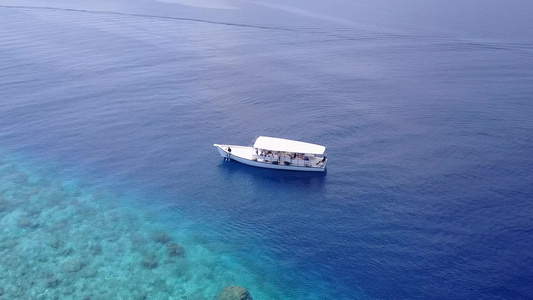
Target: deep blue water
113 114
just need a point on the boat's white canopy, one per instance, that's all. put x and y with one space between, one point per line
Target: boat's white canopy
277 144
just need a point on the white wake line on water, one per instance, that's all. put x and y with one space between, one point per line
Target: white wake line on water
307 13
146 16
200 3
368 35
287 29
391 32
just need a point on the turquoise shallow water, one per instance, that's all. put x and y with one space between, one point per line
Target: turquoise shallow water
63 239
111 189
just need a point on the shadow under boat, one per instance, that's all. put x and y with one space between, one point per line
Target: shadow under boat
276 175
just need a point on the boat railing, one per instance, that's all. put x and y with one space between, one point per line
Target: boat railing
265 158
283 159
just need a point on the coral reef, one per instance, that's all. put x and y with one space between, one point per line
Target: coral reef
53 242
161 237
72 265
174 249
24 222
95 249
51 281
234 293
59 241
89 272
149 261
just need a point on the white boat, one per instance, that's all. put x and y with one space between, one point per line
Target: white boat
276 153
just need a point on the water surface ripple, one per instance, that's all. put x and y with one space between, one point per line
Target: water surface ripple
107 122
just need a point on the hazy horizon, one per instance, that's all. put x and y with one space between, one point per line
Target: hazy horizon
463 19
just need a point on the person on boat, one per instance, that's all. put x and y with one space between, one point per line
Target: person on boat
229 154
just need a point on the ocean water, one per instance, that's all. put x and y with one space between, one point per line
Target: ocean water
110 187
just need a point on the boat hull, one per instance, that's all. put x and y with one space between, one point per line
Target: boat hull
244 155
